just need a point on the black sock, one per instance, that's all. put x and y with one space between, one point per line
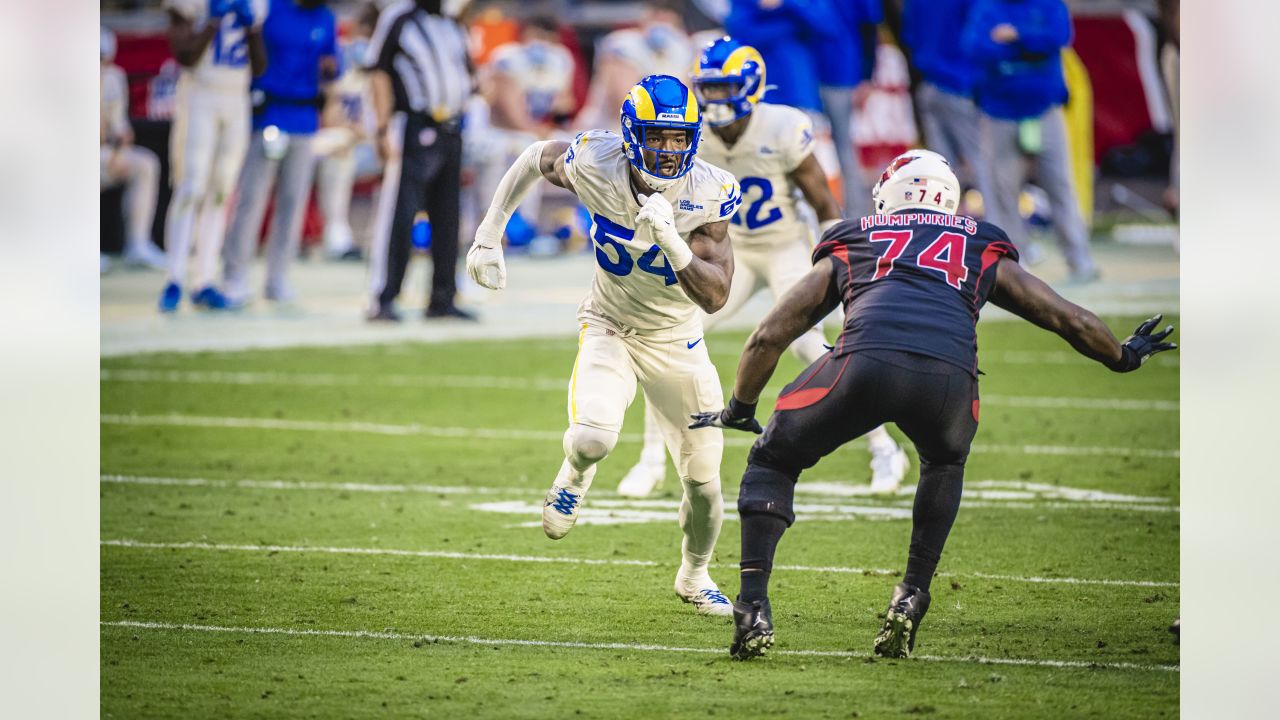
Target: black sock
936 505
760 535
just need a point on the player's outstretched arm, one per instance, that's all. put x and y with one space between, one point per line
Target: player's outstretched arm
1028 297
703 265
542 159
707 277
812 181
187 43
802 307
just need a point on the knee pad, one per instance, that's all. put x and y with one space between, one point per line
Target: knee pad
585 446
768 491
702 467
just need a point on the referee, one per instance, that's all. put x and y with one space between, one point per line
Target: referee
421 79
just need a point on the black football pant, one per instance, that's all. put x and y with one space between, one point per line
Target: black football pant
431 180
838 399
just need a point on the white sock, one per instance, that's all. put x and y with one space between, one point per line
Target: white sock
179 226
580 481
879 441
701 514
213 225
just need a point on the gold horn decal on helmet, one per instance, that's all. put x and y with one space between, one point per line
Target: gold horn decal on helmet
643 103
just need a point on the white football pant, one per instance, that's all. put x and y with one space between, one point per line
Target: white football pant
207 146
678 379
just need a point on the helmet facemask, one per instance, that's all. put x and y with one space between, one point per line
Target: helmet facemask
723 100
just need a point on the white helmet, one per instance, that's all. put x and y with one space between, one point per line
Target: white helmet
107 45
917 179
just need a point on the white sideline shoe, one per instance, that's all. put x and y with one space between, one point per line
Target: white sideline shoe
146 256
888 469
560 510
642 479
704 595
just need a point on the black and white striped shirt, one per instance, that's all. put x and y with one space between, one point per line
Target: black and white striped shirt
426 56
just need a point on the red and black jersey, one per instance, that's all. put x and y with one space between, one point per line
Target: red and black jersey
914 281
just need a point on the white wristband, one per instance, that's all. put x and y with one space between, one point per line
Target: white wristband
678 253
826 225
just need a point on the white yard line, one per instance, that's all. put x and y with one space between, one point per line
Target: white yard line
336 487
1103 501
220 547
734 440
497 382
640 647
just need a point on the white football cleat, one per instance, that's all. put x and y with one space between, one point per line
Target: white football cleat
888 469
146 256
560 510
643 478
704 595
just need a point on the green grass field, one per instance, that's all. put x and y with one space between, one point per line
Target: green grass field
353 532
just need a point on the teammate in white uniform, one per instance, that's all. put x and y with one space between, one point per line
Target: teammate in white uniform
658 46
660 231
770 150
526 84
216 42
123 163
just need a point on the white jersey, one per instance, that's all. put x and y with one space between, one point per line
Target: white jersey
777 139
634 286
658 49
224 66
543 71
114 107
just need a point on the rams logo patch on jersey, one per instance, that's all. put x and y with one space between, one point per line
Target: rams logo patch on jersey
689 205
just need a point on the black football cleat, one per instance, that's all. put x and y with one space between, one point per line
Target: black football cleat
752 629
907 607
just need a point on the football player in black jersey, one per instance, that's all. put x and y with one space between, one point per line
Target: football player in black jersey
912 279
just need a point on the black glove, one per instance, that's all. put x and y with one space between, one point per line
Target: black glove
1142 344
738 416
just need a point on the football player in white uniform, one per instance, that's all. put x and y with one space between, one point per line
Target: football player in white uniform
660 231
770 150
123 163
527 84
217 43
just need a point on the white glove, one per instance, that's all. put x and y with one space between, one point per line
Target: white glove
657 213
484 260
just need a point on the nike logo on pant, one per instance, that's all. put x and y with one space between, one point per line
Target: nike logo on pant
694 343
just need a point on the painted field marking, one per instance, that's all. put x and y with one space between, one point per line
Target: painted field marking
885 572
546 435
215 377
639 647
1023 496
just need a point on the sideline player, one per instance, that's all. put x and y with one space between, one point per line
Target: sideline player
912 280
660 229
124 163
769 148
217 43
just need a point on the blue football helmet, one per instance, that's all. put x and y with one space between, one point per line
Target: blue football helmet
657 102
741 67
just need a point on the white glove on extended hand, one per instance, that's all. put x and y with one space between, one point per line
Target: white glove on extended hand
657 213
484 260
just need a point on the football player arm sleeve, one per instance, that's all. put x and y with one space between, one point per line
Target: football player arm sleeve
812 181
802 307
705 279
1028 297
485 263
187 43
